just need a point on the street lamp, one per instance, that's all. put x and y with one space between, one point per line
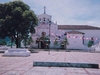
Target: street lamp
49 36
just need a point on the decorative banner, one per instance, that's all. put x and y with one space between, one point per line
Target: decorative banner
76 37
59 36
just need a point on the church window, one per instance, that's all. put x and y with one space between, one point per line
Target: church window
44 19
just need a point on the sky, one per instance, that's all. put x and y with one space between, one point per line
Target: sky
67 12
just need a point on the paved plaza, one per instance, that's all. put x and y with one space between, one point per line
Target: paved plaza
24 65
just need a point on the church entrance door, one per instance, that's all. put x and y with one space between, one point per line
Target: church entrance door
42 45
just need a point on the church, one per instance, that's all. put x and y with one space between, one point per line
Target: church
51 35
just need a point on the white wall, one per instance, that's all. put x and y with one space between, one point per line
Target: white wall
34 37
91 33
88 34
75 42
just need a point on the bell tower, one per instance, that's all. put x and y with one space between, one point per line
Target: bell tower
44 18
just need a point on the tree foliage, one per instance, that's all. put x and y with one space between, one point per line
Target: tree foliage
27 41
15 18
90 43
2 42
56 42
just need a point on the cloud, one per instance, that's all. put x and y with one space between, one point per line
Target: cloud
69 11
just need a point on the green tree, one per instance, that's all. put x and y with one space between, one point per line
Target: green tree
30 40
16 21
66 41
56 42
2 42
27 41
90 43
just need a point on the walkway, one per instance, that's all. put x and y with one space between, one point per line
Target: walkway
24 65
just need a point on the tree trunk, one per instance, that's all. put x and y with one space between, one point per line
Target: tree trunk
11 43
12 40
18 45
16 42
25 42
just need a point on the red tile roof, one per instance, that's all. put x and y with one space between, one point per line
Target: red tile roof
77 27
75 32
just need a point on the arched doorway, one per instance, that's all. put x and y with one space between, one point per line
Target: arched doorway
43 42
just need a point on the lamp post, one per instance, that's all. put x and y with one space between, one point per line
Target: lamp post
49 36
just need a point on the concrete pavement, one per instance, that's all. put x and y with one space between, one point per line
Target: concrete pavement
24 65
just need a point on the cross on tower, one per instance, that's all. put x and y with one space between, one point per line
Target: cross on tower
44 10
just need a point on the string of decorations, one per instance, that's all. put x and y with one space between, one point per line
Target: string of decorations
75 37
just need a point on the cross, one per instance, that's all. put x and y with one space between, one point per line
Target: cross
44 10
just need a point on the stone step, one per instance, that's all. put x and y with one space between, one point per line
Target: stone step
65 64
16 52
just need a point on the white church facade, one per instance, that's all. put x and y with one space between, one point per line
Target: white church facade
77 36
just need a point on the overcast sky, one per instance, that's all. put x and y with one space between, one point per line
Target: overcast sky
68 12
